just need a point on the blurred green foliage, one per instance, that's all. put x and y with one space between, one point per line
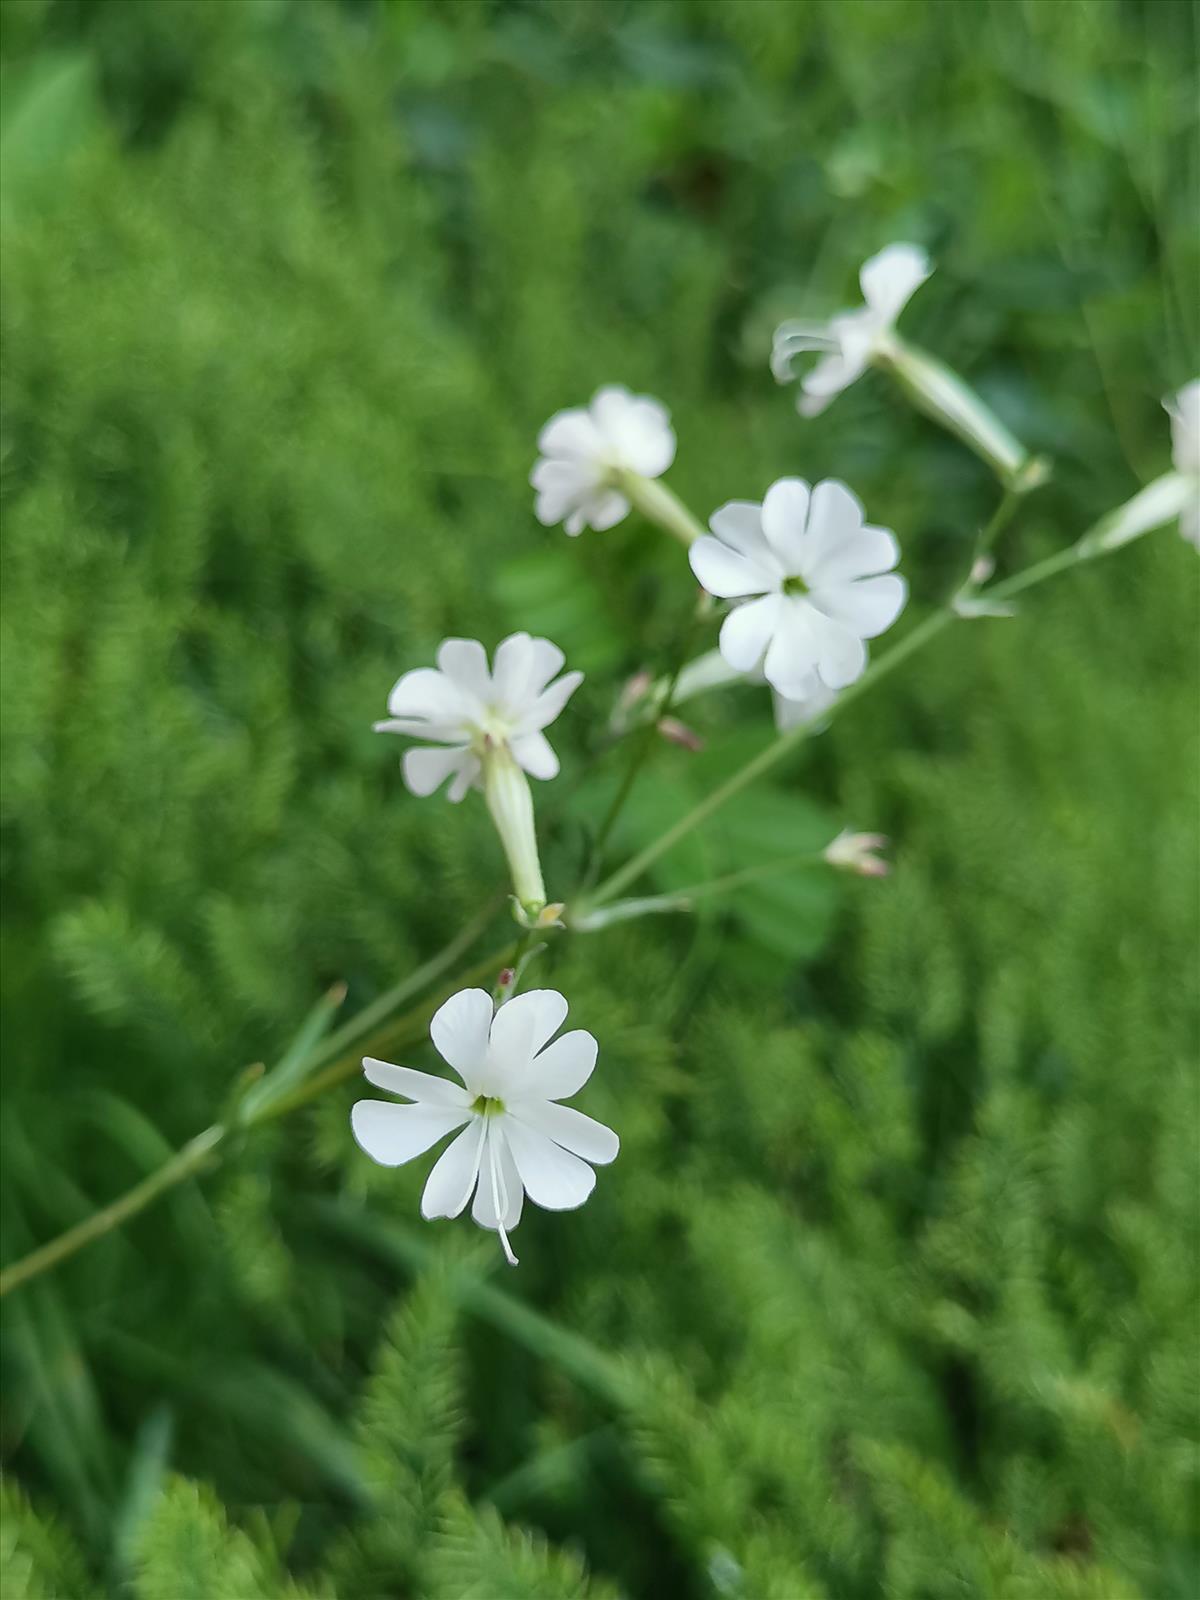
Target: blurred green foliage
893 1288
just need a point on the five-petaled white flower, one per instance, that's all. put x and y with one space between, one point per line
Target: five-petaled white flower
849 340
585 451
1184 411
815 580
470 710
516 1137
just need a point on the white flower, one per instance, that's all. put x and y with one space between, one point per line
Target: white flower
517 1138
471 711
585 451
1184 411
849 340
854 852
822 577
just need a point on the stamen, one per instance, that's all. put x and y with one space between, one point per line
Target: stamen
498 1186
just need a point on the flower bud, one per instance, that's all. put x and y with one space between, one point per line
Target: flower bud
941 394
853 852
676 732
1158 503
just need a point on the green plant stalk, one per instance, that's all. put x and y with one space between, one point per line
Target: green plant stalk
769 757
182 1165
659 505
642 749
685 899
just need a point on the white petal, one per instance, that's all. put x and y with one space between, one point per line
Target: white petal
549 703
520 1028
605 509
796 338
562 487
1184 411
454 1174
867 606
512 670
726 572
804 702
890 278
532 751
841 654
572 434
393 1134
426 768
784 518
423 1087
508 1182
856 554
792 654
464 662
428 694
552 1176
826 381
834 516
738 523
746 632
418 728
547 660
582 1136
460 1029
637 429
466 775
563 1067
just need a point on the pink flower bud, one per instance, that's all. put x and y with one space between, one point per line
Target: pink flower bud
679 733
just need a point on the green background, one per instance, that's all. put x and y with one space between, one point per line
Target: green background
892 1290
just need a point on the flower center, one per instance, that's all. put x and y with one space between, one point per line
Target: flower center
485 1105
795 585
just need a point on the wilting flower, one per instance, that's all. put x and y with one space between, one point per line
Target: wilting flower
848 341
587 453
1184 412
516 1137
471 711
855 852
815 580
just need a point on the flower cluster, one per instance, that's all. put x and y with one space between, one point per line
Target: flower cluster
801 582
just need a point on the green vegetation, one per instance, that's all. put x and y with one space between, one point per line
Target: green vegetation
893 1288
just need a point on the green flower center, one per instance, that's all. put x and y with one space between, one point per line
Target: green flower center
487 1106
795 585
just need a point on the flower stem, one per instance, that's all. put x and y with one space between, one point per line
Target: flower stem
183 1164
767 758
659 505
643 746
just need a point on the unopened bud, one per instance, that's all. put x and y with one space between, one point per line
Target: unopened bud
676 732
1159 502
506 978
854 852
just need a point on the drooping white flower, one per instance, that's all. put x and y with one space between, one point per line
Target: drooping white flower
586 451
849 340
815 580
517 1138
470 711
1184 411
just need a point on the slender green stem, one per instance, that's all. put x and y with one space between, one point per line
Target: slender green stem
182 1165
769 757
735 880
383 1005
1060 561
643 747
659 505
